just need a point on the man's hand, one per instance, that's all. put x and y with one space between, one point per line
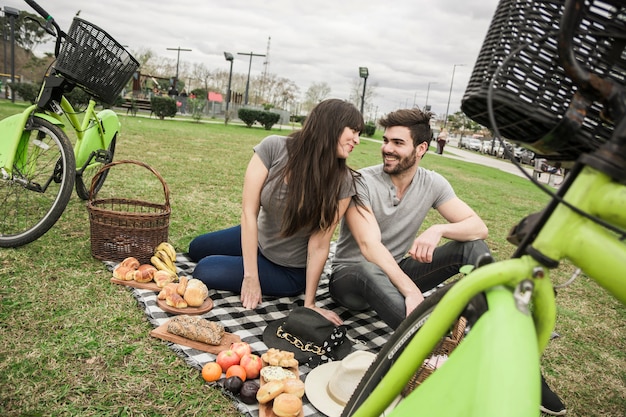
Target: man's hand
425 244
251 292
413 300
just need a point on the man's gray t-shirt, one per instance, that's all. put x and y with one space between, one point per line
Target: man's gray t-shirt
399 220
286 251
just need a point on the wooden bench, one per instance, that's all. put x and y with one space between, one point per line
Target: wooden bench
132 105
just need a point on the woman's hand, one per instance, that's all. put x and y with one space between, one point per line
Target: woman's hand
328 315
251 292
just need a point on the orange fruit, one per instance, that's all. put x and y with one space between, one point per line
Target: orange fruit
236 370
211 372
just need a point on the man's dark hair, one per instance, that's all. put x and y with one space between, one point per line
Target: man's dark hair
416 120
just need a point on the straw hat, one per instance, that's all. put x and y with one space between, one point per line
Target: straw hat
329 386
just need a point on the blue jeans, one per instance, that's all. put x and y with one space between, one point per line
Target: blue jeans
220 266
365 286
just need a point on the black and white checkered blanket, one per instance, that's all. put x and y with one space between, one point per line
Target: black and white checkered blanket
366 330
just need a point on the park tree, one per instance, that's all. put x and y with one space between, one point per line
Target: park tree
28 34
316 93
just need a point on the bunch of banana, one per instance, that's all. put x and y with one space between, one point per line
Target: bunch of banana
164 258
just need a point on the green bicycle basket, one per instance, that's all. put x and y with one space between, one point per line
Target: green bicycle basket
531 93
95 61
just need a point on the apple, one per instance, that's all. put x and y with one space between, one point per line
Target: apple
227 358
241 348
252 365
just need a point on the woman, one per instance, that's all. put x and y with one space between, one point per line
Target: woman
296 188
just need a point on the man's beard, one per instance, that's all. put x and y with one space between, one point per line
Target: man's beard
403 164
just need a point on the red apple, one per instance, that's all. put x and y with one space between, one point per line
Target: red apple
252 364
241 348
226 359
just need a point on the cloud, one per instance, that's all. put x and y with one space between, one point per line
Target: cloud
406 44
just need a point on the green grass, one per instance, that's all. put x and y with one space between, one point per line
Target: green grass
73 344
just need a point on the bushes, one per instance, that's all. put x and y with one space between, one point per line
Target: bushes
370 129
27 91
265 118
163 106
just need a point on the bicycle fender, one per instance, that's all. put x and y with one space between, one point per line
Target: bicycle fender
92 141
495 370
12 128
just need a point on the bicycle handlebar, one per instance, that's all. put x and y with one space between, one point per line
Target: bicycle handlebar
49 20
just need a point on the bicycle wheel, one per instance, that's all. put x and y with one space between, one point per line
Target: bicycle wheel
97 161
39 188
401 338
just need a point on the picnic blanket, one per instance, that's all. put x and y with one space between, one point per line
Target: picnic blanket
365 329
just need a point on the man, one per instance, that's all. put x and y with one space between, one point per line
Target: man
397 196
370 269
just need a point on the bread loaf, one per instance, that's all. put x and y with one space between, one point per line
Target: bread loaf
196 292
196 328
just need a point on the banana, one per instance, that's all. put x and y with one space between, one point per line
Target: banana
162 255
160 265
169 249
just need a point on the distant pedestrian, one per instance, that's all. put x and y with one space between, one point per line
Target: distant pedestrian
442 139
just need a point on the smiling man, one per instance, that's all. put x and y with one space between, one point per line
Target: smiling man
381 262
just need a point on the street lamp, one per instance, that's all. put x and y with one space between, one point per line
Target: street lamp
363 73
177 61
249 68
445 120
13 14
231 58
427 92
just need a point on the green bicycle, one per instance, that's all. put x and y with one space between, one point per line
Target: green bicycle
517 88
39 167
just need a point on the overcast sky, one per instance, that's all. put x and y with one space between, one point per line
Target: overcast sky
405 44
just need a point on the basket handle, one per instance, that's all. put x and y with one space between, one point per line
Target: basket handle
94 180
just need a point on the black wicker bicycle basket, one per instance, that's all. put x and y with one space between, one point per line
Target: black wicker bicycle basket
91 58
531 92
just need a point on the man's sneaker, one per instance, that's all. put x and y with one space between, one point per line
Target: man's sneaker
550 402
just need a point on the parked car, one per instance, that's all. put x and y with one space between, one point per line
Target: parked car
475 145
464 143
527 157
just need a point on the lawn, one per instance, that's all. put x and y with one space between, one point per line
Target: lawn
73 344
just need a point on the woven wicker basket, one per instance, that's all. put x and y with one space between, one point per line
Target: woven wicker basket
445 347
123 227
531 91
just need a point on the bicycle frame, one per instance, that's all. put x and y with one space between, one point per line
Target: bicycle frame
500 356
94 132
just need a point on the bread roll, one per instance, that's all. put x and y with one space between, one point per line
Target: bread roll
175 300
120 272
269 391
196 292
145 273
162 278
130 262
294 386
182 285
168 290
287 405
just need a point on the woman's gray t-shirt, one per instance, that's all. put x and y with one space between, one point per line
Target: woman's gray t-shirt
399 220
288 251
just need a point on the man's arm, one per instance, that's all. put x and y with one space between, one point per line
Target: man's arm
464 226
366 232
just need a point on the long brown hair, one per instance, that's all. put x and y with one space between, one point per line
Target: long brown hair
314 172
